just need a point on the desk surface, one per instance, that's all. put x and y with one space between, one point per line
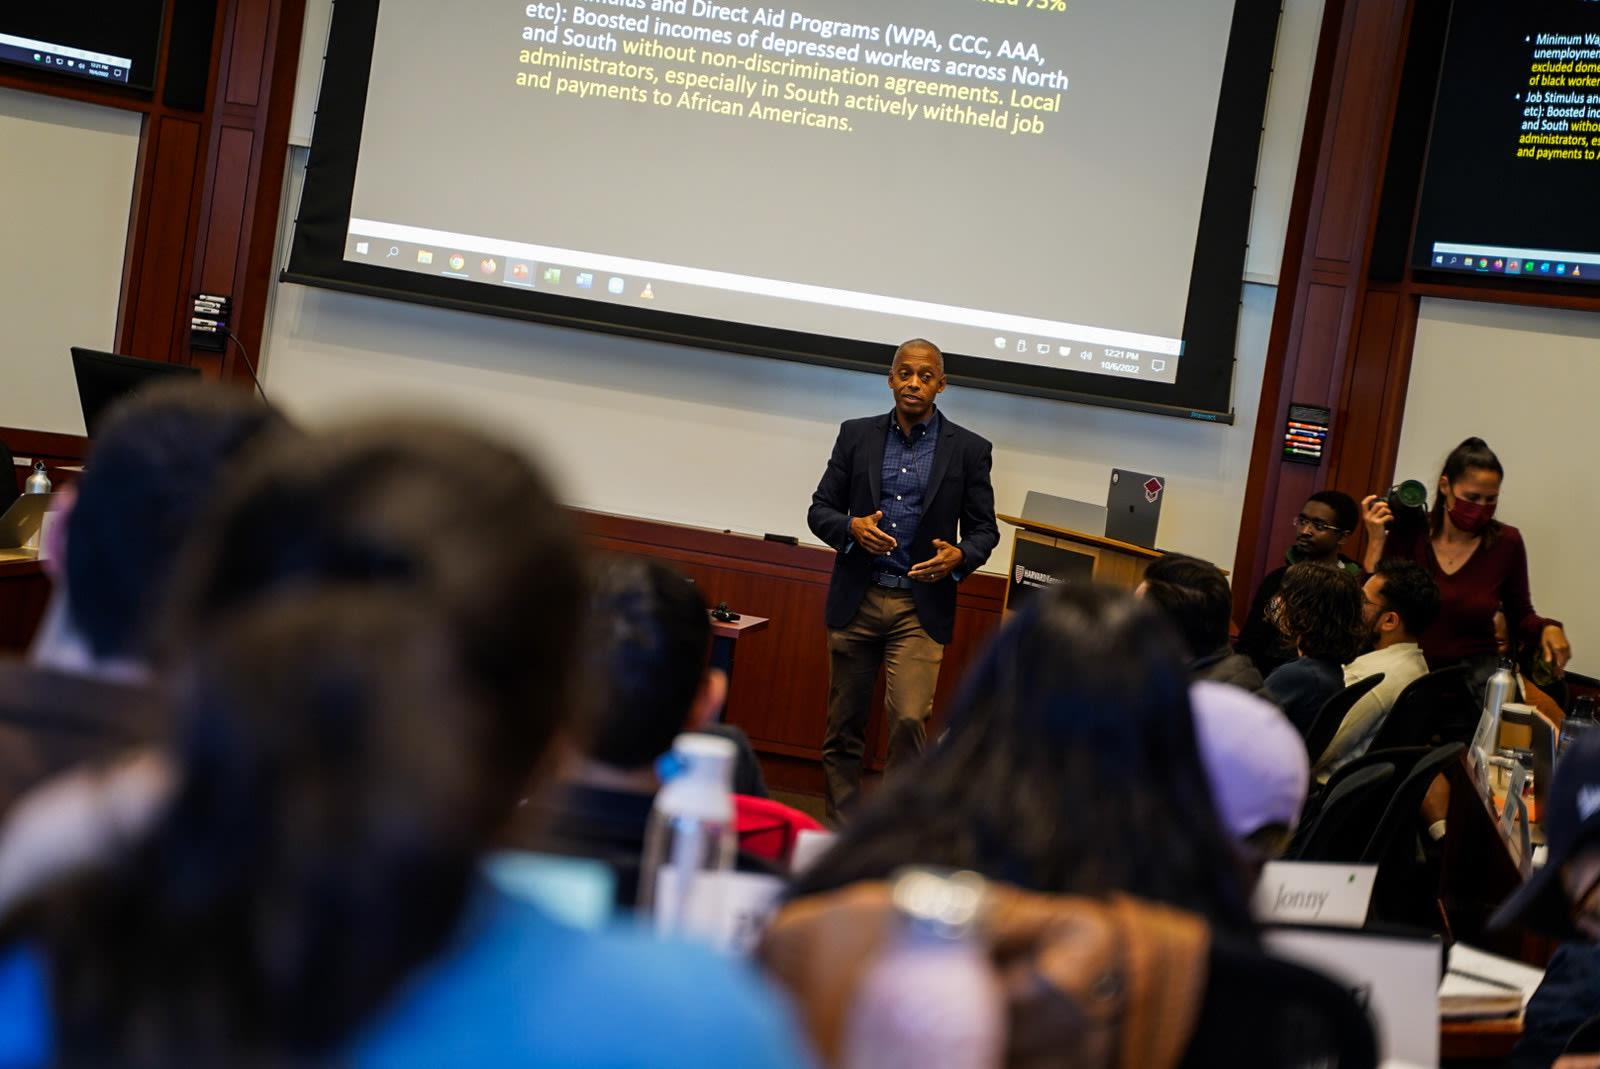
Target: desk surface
1083 537
1491 1039
735 628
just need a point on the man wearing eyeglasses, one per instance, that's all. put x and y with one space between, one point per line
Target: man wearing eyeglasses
1321 526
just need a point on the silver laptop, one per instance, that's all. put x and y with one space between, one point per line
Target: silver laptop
23 519
1064 513
1133 507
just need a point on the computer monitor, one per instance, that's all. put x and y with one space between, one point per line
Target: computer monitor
104 377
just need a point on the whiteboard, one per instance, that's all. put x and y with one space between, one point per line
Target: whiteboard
66 196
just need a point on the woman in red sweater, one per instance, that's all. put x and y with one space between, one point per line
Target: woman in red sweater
1479 563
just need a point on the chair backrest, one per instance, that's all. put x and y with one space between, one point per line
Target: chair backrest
1435 709
1401 757
1291 1015
1405 801
1344 825
1332 714
769 829
1406 890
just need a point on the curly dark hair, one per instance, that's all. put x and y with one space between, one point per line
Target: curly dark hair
1319 610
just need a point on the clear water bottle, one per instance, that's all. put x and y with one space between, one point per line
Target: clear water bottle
1577 723
39 481
932 1000
690 839
1486 740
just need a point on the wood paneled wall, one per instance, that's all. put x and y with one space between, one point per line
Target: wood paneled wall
780 680
204 210
1322 291
1340 336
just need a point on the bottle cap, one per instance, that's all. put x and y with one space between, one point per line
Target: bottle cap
946 904
697 776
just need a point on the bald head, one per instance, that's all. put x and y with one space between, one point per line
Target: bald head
916 377
920 347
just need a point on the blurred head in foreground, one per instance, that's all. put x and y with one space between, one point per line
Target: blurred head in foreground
462 525
154 468
370 654
1257 765
648 652
1070 766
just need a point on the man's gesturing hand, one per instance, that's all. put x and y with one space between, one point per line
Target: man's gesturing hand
946 558
864 529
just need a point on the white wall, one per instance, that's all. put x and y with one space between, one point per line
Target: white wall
1527 381
718 440
66 192
731 442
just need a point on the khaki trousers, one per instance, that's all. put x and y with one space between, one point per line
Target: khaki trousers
884 632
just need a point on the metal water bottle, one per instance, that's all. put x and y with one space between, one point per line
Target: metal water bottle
1486 740
39 481
932 1000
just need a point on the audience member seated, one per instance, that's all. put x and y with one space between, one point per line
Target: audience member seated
1257 766
1561 900
1194 595
82 694
374 654
1319 612
1321 526
1399 601
647 645
1527 690
1070 767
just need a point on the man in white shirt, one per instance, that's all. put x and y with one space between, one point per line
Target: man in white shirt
1399 601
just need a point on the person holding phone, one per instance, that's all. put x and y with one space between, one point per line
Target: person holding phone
1480 564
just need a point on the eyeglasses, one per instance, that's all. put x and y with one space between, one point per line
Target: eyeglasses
1322 526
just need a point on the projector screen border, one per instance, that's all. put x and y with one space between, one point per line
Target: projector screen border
1203 390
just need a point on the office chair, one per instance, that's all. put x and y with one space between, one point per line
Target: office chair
1438 708
1326 724
1343 826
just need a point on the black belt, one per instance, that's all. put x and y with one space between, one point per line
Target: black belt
892 581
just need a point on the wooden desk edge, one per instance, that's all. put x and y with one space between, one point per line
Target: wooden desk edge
1086 539
734 628
1492 1037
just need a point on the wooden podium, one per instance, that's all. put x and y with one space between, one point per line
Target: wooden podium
1042 555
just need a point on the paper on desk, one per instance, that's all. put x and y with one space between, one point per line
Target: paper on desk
1488 975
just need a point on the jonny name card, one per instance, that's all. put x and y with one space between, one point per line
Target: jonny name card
1312 892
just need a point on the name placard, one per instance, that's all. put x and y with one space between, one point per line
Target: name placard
1314 892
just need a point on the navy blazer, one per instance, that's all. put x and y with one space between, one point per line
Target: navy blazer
957 507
